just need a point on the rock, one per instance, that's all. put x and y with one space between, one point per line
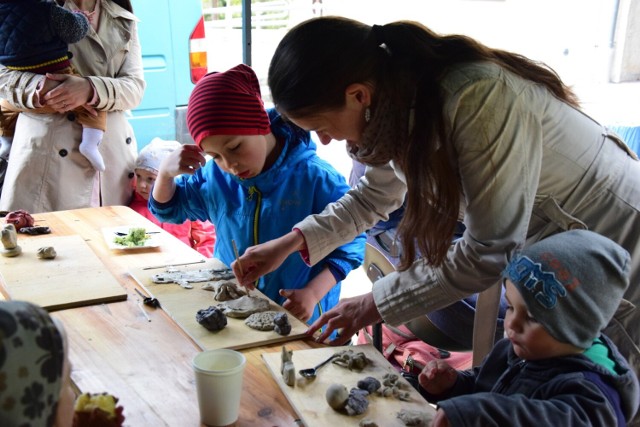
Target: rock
337 396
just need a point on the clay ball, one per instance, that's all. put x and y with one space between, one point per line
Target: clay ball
337 395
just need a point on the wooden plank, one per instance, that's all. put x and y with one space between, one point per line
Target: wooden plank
76 277
183 304
308 396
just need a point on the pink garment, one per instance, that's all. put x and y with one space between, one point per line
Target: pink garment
199 235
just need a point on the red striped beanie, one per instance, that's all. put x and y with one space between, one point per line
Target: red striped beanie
227 103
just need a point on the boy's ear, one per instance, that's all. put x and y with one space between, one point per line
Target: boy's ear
358 95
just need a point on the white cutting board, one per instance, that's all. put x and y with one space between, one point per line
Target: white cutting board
76 277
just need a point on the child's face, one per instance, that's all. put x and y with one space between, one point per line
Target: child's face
244 156
530 339
144 182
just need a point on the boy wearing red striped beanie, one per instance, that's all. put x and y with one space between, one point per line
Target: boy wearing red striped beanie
264 178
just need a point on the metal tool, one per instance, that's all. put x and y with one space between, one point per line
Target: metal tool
312 372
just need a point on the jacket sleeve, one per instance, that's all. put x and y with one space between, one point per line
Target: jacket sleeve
19 87
191 200
332 187
379 192
69 26
561 403
498 146
125 90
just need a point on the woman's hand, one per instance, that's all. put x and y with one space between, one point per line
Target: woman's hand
300 302
437 377
348 317
72 92
264 258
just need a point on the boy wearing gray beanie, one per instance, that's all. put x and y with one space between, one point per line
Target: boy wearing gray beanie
554 367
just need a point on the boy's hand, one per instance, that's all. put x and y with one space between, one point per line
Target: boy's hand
184 160
437 377
300 302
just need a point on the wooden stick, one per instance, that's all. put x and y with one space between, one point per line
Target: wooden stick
143 311
235 250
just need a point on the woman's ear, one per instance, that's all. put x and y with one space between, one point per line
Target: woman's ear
358 95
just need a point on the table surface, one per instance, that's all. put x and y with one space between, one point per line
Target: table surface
147 364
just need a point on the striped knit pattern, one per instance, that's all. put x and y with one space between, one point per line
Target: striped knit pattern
227 103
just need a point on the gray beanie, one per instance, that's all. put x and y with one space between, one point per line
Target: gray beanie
153 153
572 283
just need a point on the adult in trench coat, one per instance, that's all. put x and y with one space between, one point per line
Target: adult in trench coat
46 172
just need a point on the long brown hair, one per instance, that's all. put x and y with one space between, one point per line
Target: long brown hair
404 61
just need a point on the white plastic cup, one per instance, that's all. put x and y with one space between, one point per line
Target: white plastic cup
219 385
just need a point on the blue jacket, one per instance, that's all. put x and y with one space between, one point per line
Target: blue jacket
563 391
33 32
265 207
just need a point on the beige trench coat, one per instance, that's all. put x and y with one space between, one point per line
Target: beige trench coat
46 171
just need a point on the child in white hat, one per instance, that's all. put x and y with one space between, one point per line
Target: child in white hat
200 235
555 367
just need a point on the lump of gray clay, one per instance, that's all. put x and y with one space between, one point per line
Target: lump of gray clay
282 325
46 252
211 318
357 403
369 384
414 418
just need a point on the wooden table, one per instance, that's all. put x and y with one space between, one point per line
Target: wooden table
147 365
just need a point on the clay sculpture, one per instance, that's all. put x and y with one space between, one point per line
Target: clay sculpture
281 324
184 278
211 318
351 360
46 252
224 290
244 307
9 239
287 369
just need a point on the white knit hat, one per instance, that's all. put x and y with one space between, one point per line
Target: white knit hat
152 154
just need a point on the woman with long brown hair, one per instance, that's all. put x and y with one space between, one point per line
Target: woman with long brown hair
464 131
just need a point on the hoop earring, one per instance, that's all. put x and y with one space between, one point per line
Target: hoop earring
367 114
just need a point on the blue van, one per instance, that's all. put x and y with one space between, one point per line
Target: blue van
174 57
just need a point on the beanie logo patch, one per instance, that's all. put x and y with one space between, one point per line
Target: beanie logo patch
529 274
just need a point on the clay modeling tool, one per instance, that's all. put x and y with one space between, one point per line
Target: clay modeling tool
235 250
150 301
153 267
143 311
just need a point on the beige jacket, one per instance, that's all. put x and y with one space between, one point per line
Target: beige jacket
530 166
46 171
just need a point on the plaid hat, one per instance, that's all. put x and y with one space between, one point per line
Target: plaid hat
227 103
153 153
572 283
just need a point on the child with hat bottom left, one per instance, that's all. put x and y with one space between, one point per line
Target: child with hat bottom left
200 235
555 367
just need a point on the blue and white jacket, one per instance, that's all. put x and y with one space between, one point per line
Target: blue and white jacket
265 207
